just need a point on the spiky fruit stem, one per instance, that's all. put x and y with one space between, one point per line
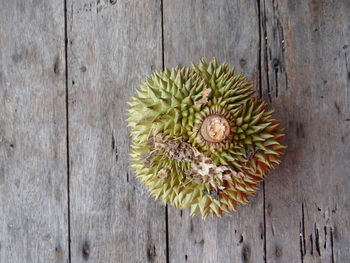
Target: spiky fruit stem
215 128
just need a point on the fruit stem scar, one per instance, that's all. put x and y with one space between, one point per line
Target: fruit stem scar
215 128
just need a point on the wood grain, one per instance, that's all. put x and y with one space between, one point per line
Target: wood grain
113 45
228 30
306 78
297 52
33 170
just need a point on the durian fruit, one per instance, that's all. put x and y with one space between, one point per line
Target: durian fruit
201 138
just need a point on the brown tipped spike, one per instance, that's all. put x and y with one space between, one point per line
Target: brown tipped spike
205 142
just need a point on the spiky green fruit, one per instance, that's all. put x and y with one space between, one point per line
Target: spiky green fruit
201 138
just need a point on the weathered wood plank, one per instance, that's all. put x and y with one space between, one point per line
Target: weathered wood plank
307 62
228 30
33 170
113 45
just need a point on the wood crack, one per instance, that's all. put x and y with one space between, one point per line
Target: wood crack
332 251
259 52
166 206
113 142
279 62
67 128
302 234
260 95
317 241
303 228
311 245
346 65
301 244
264 209
266 61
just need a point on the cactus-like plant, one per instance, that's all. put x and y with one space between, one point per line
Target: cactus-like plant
201 138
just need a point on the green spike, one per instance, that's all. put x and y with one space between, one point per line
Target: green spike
168 104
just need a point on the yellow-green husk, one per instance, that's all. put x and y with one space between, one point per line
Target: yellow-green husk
172 159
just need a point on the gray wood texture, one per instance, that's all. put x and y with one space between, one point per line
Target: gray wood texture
228 30
297 53
33 169
112 47
306 79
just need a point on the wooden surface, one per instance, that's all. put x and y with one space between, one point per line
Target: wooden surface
33 152
230 31
307 72
111 49
67 193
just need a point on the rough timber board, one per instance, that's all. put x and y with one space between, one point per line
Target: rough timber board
33 170
306 58
228 30
112 46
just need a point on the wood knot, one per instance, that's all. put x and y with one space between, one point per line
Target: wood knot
58 252
56 66
278 252
86 251
151 253
276 62
242 62
269 209
246 254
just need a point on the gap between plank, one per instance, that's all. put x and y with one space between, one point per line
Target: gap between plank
166 206
260 95
259 52
67 127
266 68
264 208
